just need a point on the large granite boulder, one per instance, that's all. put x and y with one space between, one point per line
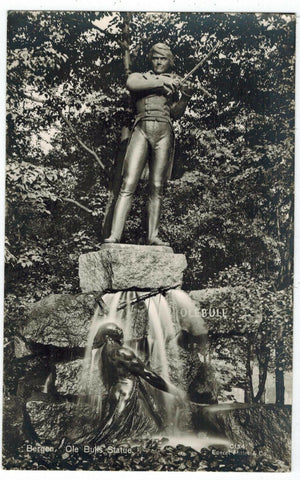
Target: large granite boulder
123 267
265 429
51 422
68 377
60 320
21 349
75 378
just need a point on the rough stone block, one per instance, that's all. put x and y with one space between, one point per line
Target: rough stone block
53 421
68 377
123 267
73 379
60 320
226 309
266 428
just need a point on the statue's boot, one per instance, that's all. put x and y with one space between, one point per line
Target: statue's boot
154 209
122 209
158 242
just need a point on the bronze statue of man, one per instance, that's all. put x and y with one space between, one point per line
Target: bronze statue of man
157 101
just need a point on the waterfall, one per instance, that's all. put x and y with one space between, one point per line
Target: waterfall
127 329
187 313
165 316
163 319
90 371
95 399
112 301
87 361
48 381
161 330
159 361
169 326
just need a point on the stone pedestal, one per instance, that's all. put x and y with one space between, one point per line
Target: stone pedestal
123 267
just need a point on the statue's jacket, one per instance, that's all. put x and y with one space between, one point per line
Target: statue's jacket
150 101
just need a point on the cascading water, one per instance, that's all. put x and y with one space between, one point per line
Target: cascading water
162 318
170 328
158 356
186 312
88 367
112 300
127 328
47 384
161 331
90 384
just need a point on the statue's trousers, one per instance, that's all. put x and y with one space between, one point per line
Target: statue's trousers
151 139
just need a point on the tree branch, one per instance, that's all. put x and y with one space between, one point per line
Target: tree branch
83 145
36 98
88 23
78 204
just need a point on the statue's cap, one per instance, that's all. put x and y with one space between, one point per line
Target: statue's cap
162 49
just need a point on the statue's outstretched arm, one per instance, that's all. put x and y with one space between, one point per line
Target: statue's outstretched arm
128 358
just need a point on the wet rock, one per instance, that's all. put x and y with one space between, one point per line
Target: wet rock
202 465
35 372
68 377
51 422
204 388
253 427
71 379
21 348
60 320
123 267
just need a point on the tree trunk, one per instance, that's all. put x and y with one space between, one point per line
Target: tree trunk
263 356
279 374
249 386
126 39
263 371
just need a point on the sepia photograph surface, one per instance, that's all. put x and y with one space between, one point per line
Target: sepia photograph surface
149 241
